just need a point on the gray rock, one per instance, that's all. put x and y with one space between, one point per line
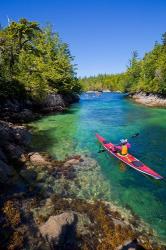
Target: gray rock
53 100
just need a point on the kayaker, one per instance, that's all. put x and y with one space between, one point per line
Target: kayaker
123 147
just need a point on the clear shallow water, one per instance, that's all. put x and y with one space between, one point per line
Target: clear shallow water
114 117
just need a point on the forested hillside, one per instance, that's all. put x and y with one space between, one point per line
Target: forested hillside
34 62
147 74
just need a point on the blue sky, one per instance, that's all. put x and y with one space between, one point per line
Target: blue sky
101 33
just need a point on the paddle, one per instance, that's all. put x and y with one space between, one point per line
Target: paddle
101 150
133 136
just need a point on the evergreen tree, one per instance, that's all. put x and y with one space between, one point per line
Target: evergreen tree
35 60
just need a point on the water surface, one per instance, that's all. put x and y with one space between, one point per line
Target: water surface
114 117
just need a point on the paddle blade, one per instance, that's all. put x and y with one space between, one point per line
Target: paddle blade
102 150
135 135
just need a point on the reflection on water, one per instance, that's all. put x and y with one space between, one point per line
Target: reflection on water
114 117
122 167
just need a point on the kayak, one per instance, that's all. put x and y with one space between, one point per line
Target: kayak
128 159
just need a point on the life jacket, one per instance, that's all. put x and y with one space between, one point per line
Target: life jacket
124 150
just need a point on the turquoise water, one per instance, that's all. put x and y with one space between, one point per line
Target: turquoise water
114 117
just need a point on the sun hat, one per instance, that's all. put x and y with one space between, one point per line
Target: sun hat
123 140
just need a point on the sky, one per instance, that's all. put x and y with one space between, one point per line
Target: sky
101 33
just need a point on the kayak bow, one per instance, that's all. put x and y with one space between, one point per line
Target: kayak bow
128 159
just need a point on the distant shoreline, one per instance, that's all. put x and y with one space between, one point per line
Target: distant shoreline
147 99
102 91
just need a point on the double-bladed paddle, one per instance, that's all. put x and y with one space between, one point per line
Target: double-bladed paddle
133 136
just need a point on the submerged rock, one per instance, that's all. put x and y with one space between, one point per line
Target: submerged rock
71 162
37 159
58 227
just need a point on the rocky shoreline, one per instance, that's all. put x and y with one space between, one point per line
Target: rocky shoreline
151 100
43 206
21 111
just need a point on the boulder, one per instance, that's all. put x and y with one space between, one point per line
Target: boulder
70 98
58 227
53 102
14 151
36 159
21 135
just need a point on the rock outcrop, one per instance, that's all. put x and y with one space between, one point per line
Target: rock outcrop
58 228
149 99
13 141
37 159
28 110
43 205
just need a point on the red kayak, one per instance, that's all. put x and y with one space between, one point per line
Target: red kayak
128 159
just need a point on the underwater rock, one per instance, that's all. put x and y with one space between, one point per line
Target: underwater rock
42 213
71 162
57 227
37 159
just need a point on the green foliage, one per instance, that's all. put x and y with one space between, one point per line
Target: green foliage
105 82
35 60
147 75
